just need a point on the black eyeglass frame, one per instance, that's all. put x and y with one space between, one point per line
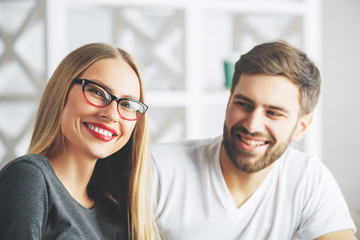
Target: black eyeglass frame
85 82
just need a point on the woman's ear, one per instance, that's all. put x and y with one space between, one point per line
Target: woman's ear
302 125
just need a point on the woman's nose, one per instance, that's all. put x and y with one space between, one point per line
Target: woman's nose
110 111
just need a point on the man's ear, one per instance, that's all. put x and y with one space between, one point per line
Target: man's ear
229 100
302 125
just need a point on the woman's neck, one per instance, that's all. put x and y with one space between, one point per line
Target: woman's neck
74 172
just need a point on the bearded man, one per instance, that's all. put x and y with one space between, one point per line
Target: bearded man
248 183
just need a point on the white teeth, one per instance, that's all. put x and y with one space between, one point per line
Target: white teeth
253 143
100 130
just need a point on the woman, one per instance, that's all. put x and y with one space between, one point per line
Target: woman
87 173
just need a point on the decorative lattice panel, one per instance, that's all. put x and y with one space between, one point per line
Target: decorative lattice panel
228 35
22 72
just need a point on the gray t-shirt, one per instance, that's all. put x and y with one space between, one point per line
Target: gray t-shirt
34 204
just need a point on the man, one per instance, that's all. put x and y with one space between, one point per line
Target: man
249 184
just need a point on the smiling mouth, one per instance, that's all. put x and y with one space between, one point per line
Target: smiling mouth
99 130
252 143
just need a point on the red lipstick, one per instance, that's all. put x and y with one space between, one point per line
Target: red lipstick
101 131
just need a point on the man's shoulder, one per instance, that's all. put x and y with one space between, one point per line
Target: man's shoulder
185 152
297 156
296 163
186 145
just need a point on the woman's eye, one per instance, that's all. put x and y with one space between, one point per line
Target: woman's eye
98 92
126 105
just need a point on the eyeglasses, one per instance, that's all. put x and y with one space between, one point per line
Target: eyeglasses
99 96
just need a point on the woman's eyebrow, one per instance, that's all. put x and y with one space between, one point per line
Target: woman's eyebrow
112 92
130 97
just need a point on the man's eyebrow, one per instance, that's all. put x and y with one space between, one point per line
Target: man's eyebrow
240 96
282 109
278 108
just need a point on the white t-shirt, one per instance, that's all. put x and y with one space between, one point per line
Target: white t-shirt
299 196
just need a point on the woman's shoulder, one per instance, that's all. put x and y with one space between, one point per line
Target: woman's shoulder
33 159
24 197
26 168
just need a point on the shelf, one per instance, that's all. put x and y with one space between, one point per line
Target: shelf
235 6
183 98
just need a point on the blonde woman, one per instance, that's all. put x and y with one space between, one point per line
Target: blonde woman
86 175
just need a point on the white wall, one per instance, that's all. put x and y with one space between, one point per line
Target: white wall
341 97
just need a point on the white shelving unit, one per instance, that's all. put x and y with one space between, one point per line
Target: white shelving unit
207 32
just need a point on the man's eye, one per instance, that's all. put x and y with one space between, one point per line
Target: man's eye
244 105
274 114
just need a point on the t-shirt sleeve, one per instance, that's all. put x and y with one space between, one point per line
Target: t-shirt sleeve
325 210
23 202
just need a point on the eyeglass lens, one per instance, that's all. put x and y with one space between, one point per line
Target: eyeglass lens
98 96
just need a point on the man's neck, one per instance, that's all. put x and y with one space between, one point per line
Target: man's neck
241 185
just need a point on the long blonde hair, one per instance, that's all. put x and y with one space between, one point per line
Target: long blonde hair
128 183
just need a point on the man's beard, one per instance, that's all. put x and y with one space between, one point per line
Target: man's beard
243 159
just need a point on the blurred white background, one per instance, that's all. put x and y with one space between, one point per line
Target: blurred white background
181 47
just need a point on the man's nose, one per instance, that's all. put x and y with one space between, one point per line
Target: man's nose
255 121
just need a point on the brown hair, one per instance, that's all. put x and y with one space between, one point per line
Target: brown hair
279 58
123 177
